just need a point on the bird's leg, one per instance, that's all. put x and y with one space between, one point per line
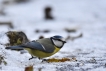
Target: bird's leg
44 60
32 57
39 58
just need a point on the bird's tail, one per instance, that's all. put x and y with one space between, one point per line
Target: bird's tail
15 47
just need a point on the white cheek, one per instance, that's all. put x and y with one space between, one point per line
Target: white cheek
58 43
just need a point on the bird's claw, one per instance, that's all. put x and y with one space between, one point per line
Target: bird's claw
44 60
31 58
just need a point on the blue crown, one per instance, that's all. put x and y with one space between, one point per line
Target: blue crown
57 37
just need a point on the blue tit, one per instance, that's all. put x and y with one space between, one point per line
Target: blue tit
42 48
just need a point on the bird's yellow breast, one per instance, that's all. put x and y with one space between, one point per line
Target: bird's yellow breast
41 54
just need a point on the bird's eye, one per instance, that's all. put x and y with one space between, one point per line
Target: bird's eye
61 40
58 39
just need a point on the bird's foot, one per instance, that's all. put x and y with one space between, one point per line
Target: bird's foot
32 57
44 60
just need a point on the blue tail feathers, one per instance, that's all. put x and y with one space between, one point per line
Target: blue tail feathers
15 47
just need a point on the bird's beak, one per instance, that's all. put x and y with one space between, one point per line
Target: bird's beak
64 41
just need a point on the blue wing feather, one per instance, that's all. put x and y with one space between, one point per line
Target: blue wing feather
33 45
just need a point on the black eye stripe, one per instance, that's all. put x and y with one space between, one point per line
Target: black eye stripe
60 40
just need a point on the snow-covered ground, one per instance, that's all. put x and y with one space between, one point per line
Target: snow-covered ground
86 16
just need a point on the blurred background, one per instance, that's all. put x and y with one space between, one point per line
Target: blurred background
78 21
81 22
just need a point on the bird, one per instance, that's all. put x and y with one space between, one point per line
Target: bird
41 48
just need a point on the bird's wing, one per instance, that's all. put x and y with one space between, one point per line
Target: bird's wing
47 43
38 46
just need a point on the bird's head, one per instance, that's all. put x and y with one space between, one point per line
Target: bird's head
58 41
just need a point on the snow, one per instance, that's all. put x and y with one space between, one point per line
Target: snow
86 16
